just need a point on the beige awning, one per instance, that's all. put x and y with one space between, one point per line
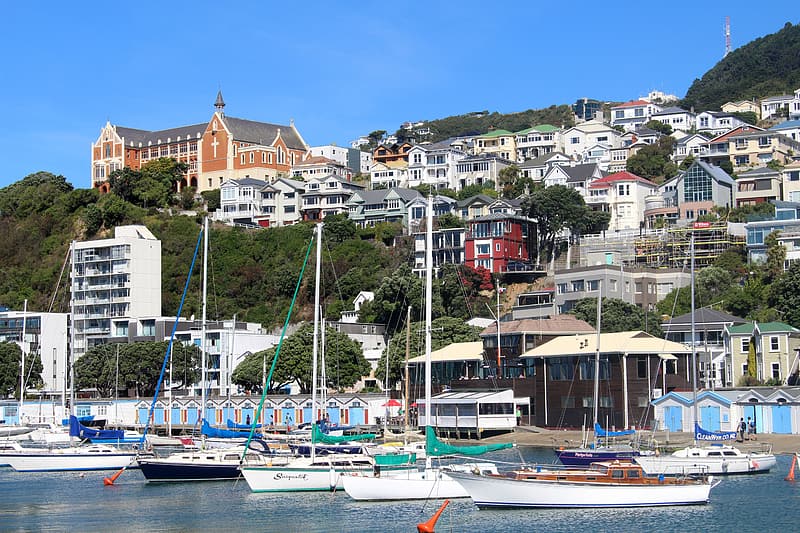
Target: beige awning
458 351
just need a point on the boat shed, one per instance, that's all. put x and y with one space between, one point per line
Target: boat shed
470 413
715 412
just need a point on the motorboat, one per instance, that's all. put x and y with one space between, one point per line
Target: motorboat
604 484
716 458
84 457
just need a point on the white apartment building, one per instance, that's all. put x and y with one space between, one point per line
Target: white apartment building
579 139
537 141
319 166
113 280
623 196
45 336
679 119
775 105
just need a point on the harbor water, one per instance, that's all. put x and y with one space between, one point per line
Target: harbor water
80 502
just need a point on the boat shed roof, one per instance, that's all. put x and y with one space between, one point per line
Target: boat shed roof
458 351
624 342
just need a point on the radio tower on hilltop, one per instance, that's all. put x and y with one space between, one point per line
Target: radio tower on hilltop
727 36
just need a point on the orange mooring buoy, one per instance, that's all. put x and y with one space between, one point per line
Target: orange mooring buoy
428 527
110 480
790 476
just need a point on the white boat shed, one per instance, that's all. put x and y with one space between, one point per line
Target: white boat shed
470 412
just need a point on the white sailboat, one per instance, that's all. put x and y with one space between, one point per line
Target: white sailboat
314 473
430 482
712 458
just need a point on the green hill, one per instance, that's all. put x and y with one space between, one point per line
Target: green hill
767 66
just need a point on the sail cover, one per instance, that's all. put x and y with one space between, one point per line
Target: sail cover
435 447
233 425
703 434
76 429
323 438
217 433
600 432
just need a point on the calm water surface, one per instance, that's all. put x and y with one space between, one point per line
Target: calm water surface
69 502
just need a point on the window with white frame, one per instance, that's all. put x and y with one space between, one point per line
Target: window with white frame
776 371
745 344
774 344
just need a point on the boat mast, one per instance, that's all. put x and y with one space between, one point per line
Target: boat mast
203 323
315 346
694 347
597 356
428 300
408 349
22 362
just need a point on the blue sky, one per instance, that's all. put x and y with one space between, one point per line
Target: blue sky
339 69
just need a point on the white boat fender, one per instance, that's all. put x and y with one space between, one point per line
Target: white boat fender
332 479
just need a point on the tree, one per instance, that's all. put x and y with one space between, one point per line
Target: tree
449 220
444 331
122 182
784 295
555 209
10 359
617 316
776 256
653 161
395 294
512 184
344 362
135 366
212 199
657 125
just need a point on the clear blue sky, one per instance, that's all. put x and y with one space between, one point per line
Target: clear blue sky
339 69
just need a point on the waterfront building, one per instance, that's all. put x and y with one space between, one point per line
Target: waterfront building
112 281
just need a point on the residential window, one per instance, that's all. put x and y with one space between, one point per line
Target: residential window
481 249
745 344
562 288
593 284
577 285
776 371
619 114
774 344
641 367
575 140
697 185
497 246
639 112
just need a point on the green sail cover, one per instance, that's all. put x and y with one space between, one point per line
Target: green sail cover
318 436
395 459
435 447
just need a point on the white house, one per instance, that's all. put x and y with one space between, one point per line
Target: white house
790 128
693 145
578 139
717 123
679 119
479 169
240 200
578 177
435 163
317 166
280 203
633 114
537 141
327 196
389 174
536 169
623 196
775 105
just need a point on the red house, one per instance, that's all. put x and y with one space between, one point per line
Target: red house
498 242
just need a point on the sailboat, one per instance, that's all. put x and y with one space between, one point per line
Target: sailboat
712 458
601 449
312 473
430 482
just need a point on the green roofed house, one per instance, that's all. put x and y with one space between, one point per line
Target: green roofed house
775 346
537 141
500 142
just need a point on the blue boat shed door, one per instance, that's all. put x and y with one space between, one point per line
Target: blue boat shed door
673 418
709 418
781 419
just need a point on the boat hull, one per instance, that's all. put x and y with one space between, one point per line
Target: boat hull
411 485
291 479
584 457
501 492
671 465
155 471
96 458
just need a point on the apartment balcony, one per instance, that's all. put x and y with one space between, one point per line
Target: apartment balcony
596 199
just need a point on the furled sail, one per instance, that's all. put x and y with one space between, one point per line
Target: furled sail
600 432
76 429
435 447
323 438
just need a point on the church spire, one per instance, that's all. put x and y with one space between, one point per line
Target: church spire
219 105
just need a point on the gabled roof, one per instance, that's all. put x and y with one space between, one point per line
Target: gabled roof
478 198
628 342
580 172
131 135
556 325
704 315
734 131
263 133
497 133
541 128
716 172
439 145
748 328
543 159
632 103
671 111
609 180
317 160
244 182
379 195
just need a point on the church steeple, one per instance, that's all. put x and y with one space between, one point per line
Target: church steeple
219 105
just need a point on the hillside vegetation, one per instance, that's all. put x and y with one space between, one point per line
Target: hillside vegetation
767 66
